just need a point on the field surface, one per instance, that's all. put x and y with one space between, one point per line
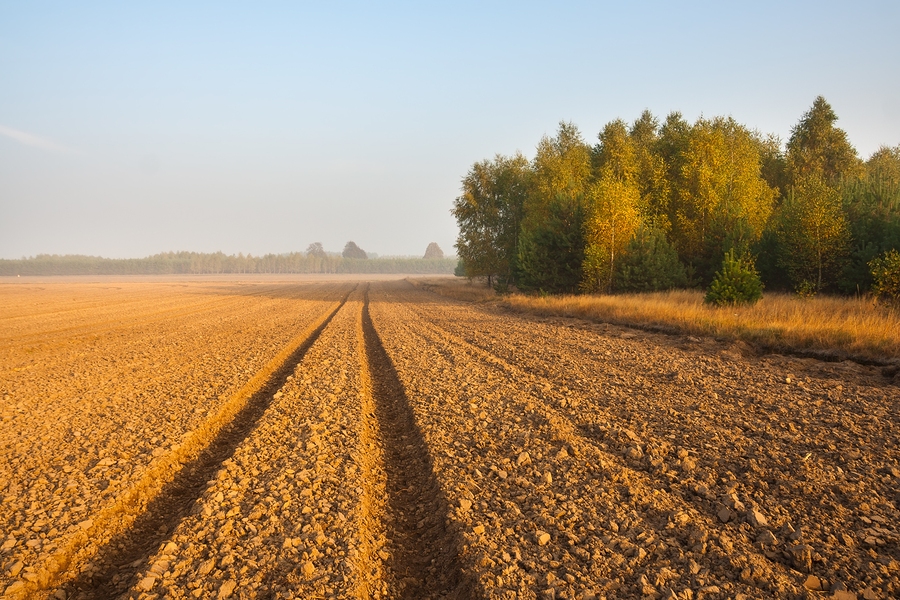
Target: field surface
371 439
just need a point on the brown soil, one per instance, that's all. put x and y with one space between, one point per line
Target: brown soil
413 446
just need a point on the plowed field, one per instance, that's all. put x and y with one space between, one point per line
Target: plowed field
373 440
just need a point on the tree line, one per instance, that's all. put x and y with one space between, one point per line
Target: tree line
197 263
661 204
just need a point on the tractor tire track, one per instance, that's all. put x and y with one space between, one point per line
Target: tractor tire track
421 551
161 507
667 515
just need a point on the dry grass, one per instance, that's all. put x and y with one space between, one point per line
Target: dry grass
841 327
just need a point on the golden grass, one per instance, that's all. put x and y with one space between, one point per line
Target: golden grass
842 327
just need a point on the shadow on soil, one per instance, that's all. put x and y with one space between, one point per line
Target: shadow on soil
423 547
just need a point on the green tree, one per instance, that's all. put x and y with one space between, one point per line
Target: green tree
551 252
812 233
489 215
817 148
872 206
736 282
672 145
886 274
649 264
772 162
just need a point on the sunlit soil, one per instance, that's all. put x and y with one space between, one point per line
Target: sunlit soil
377 440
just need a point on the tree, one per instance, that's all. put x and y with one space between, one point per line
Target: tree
720 199
649 264
737 282
433 251
552 252
562 166
611 207
883 167
886 273
812 234
872 206
489 214
817 148
772 162
351 250
612 218
650 173
315 250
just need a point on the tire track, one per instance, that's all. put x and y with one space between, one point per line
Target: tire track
422 551
279 518
125 534
657 503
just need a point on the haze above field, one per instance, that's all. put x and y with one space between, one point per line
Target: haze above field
127 131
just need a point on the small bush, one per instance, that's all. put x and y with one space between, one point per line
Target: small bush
737 282
886 276
805 289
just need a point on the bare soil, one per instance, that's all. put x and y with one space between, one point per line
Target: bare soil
412 446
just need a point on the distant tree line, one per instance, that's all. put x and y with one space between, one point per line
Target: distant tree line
655 205
196 263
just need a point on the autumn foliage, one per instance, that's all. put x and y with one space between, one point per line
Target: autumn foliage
655 205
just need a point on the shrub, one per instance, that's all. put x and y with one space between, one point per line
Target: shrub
886 276
737 282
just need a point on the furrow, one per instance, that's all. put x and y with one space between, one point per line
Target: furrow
773 451
421 552
278 519
665 523
127 530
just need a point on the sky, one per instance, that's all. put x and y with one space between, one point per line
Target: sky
128 129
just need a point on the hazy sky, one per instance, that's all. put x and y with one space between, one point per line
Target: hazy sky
129 129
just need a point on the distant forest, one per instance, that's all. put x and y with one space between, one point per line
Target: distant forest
656 205
195 263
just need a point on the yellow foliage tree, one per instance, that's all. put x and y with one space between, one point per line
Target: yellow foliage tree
720 196
612 207
612 218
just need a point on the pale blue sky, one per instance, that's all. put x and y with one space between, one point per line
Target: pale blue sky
128 129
